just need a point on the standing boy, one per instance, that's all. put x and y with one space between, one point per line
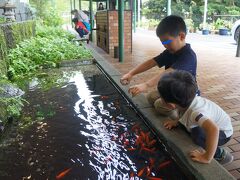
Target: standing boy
178 55
210 127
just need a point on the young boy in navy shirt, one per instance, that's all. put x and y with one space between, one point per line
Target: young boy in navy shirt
210 127
177 55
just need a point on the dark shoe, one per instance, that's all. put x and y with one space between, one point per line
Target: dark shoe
225 158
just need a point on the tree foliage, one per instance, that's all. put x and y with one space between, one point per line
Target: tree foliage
41 6
191 9
46 10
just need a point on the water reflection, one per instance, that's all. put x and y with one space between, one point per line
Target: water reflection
89 134
107 157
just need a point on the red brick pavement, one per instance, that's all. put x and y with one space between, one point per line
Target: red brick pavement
218 76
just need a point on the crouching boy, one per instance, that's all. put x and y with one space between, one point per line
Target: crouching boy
209 126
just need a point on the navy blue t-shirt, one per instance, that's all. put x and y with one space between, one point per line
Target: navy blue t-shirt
184 59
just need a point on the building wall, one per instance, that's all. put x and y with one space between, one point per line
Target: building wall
113 31
102 32
107 31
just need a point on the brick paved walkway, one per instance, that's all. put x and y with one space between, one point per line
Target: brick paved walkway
218 75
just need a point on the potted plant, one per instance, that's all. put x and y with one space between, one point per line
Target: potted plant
222 26
206 29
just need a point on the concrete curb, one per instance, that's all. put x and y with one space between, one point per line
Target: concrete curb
177 141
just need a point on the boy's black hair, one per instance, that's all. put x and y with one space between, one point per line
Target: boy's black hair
178 87
74 11
171 25
75 20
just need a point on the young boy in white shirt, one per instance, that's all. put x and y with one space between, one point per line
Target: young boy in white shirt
209 126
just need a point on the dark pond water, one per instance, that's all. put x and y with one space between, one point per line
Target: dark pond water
83 129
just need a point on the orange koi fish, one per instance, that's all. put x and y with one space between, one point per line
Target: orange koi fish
122 135
147 134
147 139
62 174
147 149
162 165
139 141
153 149
126 142
148 170
109 158
135 127
154 178
143 135
131 149
151 143
140 173
151 162
113 138
104 97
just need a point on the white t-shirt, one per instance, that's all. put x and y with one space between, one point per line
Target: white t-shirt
82 16
202 109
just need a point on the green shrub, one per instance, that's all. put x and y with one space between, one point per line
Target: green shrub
52 18
220 23
52 32
40 52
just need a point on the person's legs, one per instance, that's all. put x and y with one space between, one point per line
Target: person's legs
155 100
80 31
199 137
152 97
222 140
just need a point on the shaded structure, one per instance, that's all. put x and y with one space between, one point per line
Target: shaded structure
107 32
122 8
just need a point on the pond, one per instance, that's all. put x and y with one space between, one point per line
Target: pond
82 129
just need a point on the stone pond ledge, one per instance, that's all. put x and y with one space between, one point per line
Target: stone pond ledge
176 141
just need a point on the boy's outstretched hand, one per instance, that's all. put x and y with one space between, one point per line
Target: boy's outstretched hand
125 79
169 124
198 156
137 89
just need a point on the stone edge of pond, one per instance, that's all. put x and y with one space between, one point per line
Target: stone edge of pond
177 141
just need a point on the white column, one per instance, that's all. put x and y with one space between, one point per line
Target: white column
169 12
138 12
205 14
